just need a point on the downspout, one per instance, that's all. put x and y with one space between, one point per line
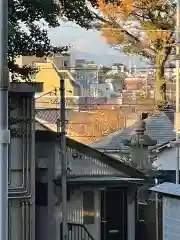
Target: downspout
23 189
32 187
23 220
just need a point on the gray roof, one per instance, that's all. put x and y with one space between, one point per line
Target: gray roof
167 188
51 115
158 127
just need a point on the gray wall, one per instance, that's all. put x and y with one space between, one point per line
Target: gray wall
166 160
21 169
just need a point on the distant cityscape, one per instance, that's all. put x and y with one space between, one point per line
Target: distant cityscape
89 84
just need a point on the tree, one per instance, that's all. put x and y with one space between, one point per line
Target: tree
141 27
95 124
27 37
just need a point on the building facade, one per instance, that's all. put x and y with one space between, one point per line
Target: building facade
22 161
101 192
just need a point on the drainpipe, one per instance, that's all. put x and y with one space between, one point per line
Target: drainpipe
157 213
23 188
27 108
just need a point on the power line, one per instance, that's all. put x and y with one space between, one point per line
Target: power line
111 28
99 69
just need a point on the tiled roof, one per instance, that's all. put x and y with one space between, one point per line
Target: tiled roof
159 128
51 115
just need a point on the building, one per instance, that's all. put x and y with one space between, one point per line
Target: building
61 61
170 194
21 192
101 191
49 73
95 120
158 127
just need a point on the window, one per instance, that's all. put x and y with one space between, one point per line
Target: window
65 63
88 207
41 194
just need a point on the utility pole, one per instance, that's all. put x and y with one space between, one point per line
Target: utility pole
63 159
4 132
177 88
157 213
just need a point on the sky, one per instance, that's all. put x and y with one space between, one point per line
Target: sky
89 44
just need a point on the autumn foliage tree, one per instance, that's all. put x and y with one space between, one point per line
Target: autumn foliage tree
95 124
144 28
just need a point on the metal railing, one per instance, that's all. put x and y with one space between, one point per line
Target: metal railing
77 231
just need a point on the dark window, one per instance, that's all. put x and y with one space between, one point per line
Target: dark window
144 115
88 207
41 194
65 63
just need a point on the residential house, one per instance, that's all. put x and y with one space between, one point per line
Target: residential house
104 89
62 61
170 198
49 74
85 73
158 127
21 165
101 191
89 103
161 157
85 126
94 122
112 86
142 83
133 82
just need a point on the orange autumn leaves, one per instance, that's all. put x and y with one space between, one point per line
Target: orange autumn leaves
119 13
95 124
112 36
119 9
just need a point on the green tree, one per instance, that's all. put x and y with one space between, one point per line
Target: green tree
26 37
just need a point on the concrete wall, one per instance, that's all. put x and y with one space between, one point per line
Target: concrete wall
21 169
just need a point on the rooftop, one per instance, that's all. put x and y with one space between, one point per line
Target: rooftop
158 127
167 188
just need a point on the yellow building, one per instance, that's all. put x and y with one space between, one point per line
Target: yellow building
50 75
